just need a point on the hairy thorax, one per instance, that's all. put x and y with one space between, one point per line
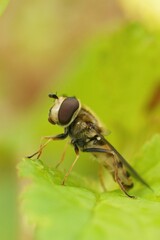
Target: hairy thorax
84 128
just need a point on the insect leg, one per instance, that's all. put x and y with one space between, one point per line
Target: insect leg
108 151
63 155
121 185
101 179
71 167
50 138
130 168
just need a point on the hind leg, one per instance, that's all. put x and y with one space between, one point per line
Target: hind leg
101 177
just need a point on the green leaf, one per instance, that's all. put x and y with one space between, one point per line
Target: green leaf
3 5
75 211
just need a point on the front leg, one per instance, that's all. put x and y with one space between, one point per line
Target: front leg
49 138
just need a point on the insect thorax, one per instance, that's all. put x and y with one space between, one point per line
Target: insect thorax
84 128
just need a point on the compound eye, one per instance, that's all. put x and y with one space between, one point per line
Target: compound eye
67 110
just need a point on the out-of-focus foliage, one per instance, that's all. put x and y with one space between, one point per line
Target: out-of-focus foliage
117 76
75 212
145 11
9 216
85 48
3 5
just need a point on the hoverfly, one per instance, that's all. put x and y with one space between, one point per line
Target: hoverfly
87 135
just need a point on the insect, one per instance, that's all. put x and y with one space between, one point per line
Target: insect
87 135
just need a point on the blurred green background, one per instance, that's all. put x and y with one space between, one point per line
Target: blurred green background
104 52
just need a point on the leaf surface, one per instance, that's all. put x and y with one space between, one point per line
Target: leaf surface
75 211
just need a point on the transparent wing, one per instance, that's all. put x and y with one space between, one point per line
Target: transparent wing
129 168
